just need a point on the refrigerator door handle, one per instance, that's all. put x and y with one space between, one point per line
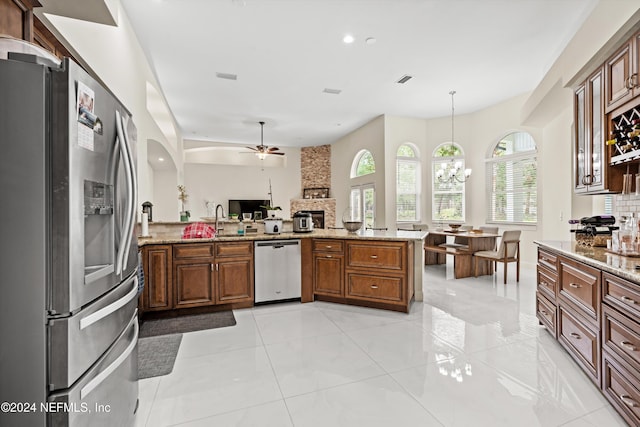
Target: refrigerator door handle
133 194
85 322
98 379
126 232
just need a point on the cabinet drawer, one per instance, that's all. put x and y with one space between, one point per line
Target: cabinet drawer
546 312
327 245
579 285
621 386
547 282
548 259
582 343
387 255
621 336
198 250
622 294
234 249
375 287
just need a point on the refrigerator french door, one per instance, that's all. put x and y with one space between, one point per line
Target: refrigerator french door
68 334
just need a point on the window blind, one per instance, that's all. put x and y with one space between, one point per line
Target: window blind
513 195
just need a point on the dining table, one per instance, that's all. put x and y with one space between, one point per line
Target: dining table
463 263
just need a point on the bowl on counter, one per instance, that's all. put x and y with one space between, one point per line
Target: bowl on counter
352 226
454 227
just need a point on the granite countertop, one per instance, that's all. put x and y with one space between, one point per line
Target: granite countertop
399 235
598 257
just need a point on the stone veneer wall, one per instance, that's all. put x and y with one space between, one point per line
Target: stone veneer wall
315 166
326 205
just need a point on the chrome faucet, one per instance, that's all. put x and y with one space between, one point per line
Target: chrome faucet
217 227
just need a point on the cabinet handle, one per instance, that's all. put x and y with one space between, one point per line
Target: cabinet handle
374 286
574 335
627 345
329 256
544 284
374 256
632 80
211 266
574 285
216 266
544 312
627 299
328 247
627 400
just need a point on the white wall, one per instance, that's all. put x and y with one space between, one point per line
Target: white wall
166 206
370 137
219 183
100 47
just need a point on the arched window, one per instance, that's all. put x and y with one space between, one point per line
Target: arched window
448 192
407 183
363 164
512 174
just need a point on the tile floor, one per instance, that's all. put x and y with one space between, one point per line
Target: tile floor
472 354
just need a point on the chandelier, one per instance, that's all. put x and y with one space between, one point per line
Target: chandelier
452 171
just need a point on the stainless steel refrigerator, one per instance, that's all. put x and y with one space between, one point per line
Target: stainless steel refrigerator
69 261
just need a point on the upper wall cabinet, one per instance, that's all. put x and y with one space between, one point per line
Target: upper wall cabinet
591 171
621 74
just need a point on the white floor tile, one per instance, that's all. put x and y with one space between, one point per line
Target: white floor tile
243 335
147 389
462 392
273 414
599 418
401 345
350 318
311 364
292 325
214 384
373 402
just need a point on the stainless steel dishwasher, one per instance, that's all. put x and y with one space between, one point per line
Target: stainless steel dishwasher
278 270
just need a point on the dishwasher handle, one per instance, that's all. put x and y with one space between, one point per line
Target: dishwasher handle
278 244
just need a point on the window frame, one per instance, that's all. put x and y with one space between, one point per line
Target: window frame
436 161
417 191
520 156
356 163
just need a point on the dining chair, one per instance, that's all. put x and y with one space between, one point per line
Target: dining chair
490 230
509 251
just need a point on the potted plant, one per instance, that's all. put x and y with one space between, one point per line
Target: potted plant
183 196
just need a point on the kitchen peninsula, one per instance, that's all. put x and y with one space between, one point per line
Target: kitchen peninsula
588 299
380 269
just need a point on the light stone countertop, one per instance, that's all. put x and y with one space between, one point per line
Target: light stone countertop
392 235
598 257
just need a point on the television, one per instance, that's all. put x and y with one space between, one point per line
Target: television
247 206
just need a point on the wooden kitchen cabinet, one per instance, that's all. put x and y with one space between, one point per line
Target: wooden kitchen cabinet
328 267
193 275
547 291
234 272
619 69
158 287
592 174
379 272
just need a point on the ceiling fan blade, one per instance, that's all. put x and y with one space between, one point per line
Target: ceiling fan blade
276 154
273 149
254 149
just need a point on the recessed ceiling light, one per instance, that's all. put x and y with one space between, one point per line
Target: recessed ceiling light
348 39
332 91
161 159
370 40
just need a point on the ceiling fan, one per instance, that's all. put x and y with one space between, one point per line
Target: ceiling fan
263 150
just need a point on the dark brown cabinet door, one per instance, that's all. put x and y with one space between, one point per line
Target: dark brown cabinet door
618 71
194 283
328 274
158 287
234 280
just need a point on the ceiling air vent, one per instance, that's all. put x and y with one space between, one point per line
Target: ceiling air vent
227 76
332 91
404 79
